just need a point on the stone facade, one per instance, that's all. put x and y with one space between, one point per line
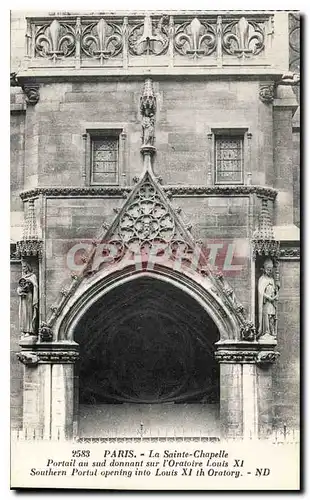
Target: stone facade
61 98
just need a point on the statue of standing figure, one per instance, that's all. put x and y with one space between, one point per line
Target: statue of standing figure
267 301
148 128
28 305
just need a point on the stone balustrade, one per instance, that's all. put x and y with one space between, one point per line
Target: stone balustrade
195 41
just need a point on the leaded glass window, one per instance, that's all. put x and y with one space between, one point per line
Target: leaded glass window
104 160
228 160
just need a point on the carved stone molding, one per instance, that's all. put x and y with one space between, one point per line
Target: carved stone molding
289 253
265 357
35 357
32 93
266 93
158 439
120 192
235 356
79 41
246 356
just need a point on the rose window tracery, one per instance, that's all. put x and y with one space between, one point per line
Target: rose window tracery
147 219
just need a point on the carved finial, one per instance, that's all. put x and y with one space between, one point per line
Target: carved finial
263 240
265 228
30 245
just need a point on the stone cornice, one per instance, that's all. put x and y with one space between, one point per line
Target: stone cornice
48 353
246 352
171 190
289 253
248 356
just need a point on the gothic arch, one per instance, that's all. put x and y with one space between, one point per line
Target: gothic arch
190 283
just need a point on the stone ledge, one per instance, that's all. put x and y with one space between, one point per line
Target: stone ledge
171 190
47 352
246 352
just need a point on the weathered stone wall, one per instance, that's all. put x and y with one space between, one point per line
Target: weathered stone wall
187 111
286 376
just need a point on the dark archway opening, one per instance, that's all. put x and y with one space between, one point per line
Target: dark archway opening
145 344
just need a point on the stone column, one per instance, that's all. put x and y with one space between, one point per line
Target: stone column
231 399
49 390
246 391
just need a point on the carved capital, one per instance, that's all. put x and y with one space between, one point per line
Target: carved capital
32 93
266 93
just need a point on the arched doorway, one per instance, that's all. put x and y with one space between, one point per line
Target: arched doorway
147 364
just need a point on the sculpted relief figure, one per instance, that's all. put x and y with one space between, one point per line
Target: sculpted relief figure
148 129
28 305
267 301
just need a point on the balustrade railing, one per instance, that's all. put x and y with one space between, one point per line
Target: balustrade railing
150 40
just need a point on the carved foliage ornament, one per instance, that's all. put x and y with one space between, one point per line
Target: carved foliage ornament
195 38
102 40
149 37
55 40
186 190
243 38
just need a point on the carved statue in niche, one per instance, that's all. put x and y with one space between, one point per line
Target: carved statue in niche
148 128
267 301
28 305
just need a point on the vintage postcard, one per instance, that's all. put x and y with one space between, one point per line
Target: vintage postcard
155 250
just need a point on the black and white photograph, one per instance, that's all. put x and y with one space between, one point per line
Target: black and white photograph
154 249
